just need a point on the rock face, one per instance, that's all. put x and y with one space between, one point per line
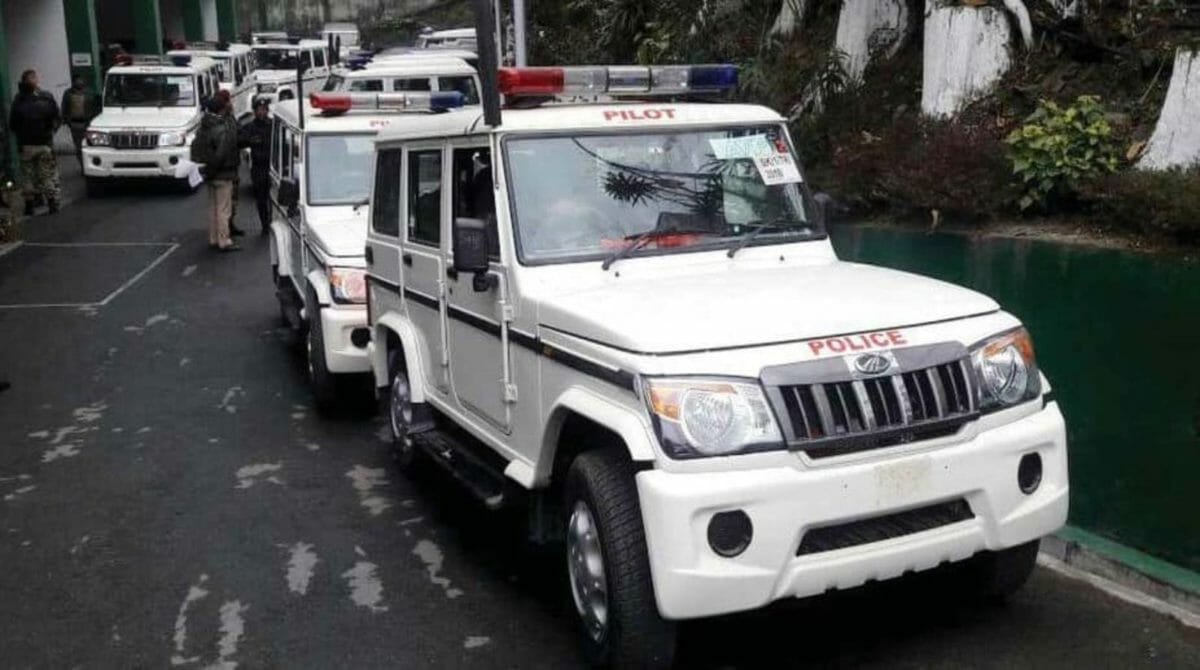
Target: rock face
1176 138
967 50
868 29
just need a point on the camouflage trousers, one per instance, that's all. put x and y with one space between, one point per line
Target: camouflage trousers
39 170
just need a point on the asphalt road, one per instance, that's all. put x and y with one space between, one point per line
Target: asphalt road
168 497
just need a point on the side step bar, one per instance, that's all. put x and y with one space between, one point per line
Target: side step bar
458 457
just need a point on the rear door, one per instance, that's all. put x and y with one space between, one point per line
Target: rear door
422 259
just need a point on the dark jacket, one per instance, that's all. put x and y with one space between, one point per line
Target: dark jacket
34 118
89 106
216 146
256 136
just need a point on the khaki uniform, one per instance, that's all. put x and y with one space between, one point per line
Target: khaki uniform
39 171
221 211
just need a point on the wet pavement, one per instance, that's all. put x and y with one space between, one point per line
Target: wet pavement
169 497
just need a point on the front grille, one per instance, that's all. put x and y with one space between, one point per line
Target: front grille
839 412
877 529
134 140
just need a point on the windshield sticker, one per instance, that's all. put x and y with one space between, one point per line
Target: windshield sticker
185 85
840 345
729 148
777 168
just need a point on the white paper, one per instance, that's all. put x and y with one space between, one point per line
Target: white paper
777 168
194 176
189 170
750 146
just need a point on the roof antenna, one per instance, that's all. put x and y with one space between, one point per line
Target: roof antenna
485 34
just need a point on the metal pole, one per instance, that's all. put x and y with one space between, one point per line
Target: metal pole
499 25
519 31
485 32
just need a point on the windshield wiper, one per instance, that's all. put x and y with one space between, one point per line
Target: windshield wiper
640 240
760 228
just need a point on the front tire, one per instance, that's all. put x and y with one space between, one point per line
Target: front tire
323 382
996 575
401 414
608 567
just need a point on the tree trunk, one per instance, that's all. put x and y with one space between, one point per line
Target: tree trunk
967 50
791 17
869 29
1176 138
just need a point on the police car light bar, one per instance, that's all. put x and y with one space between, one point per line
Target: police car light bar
617 80
336 103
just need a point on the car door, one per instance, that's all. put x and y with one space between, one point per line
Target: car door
384 268
477 351
426 206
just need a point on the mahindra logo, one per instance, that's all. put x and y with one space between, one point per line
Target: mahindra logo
872 364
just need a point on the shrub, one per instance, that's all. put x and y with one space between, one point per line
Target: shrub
958 169
1057 147
1162 204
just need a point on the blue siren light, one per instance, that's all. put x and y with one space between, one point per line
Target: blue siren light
713 77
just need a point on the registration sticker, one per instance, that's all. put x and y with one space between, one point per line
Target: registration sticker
730 148
777 168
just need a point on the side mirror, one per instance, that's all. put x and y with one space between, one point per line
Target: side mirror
289 194
471 251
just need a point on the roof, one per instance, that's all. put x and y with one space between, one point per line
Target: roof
452 32
340 27
372 120
197 64
614 116
212 50
415 67
302 44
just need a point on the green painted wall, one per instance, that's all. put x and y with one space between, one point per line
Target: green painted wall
81 39
227 24
1118 335
8 153
193 21
147 26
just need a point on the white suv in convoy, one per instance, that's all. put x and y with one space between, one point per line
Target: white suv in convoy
628 315
410 75
152 110
277 63
235 66
321 179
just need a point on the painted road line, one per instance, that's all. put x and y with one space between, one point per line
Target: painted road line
72 245
10 247
171 247
137 277
1121 592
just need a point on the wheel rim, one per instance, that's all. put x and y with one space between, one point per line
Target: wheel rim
585 564
401 412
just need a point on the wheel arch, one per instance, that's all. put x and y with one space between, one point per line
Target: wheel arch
393 330
580 420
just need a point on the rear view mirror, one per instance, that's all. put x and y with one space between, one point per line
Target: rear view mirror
471 250
289 195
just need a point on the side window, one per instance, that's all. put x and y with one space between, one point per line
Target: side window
425 197
310 57
385 210
297 159
286 157
464 85
320 58
370 85
473 195
421 84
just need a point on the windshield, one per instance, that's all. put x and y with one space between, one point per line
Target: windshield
224 68
149 90
464 85
339 169
586 197
333 83
277 59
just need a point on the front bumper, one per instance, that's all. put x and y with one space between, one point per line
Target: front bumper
107 162
690 580
337 325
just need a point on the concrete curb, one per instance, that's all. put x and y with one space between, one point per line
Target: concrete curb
1127 569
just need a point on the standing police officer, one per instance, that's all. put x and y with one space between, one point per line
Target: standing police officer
257 136
33 121
79 107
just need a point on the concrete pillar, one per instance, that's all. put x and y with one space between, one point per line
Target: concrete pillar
82 42
9 154
227 28
193 21
208 14
147 26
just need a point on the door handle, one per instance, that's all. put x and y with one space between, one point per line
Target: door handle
407 258
452 273
369 255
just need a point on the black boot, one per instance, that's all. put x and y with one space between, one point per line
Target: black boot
234 231
53 206
29 208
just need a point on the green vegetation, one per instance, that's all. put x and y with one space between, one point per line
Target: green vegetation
1058 146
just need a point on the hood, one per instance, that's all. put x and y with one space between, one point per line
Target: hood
339 231
137 118
747 306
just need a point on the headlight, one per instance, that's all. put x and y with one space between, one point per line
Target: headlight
711 417
172 139
1006 370
348 285
96 138
267 88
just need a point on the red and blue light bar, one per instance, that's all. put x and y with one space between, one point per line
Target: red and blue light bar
434 101
617 80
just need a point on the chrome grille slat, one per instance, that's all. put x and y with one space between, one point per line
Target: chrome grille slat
906 412
864 405
826 415
134 140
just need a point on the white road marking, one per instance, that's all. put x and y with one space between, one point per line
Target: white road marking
475 641
233 626
195 592
184 362
431 555
61 451
156 319
19 492
365 588
227 400
187 272
116 292
415 519
301 565
80 544
90 413
297 416
247 473
365 480
312 446
10 247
